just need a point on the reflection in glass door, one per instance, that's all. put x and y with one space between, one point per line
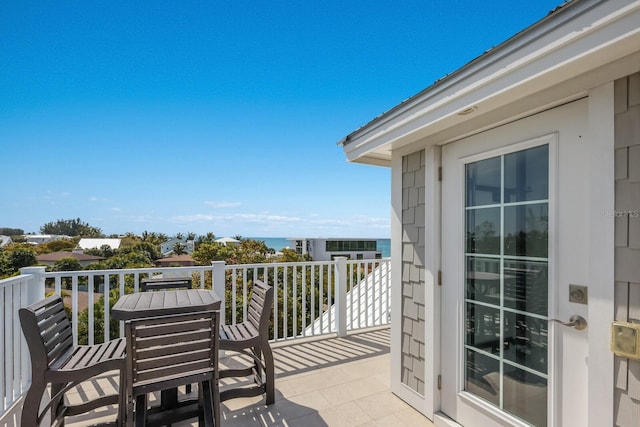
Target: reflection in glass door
506 282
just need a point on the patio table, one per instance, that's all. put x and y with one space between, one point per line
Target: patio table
162 303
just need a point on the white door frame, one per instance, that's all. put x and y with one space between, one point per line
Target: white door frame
454 266
598 140
601 149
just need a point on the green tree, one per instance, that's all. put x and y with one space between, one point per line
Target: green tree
249 252
71 227
57 245
6 231
152 237
207 238
67 264
15 256
289 255
179 248
129 260
98 320
20 255
147 248
210 251
104 251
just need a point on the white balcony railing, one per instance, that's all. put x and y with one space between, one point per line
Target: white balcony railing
311 298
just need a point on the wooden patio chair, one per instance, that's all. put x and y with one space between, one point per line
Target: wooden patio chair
164 284
251 338
165 352
57 363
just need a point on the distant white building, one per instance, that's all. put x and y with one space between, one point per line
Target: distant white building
37 239
326 249
5 240
228 241
91 243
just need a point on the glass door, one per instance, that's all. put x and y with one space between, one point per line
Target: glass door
506 282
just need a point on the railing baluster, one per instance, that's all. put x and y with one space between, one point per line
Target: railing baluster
330 298
275 303
295 303
234 301
107 311
7 355
244 294
74 307
90 331
304 298
356 294
352 300
313 297
285 303
321 286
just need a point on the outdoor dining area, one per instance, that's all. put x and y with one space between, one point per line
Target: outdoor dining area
332 368
173 339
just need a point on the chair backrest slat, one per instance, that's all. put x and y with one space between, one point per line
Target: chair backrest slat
170 349
162 284
47 330
258 312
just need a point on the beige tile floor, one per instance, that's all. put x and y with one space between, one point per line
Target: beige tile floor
320 382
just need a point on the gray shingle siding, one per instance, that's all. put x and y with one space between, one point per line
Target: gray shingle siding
627 239
413 252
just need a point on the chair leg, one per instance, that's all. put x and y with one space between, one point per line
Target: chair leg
200 406
141 410
216 402
257 365
122 400
57 405
269 372
129 419
206 401
31 405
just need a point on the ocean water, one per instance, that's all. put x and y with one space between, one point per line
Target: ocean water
279 243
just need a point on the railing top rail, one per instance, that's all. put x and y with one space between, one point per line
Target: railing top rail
187 269
367 261
298 264
128 270
9 281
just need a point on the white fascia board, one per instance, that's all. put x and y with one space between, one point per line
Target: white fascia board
585 36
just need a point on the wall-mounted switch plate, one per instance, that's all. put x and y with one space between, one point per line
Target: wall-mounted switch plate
578 294
625 339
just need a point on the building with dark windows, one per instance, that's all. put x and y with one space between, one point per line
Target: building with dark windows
326 249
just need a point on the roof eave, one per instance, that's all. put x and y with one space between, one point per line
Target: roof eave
540 56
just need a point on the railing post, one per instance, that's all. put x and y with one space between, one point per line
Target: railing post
35 290
219 285
341 296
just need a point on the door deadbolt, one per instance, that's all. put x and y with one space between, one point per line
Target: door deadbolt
575 321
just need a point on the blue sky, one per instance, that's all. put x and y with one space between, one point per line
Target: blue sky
218 116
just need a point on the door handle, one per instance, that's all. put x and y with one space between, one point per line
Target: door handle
575 321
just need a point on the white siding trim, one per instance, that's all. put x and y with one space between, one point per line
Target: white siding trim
601 253
396 279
